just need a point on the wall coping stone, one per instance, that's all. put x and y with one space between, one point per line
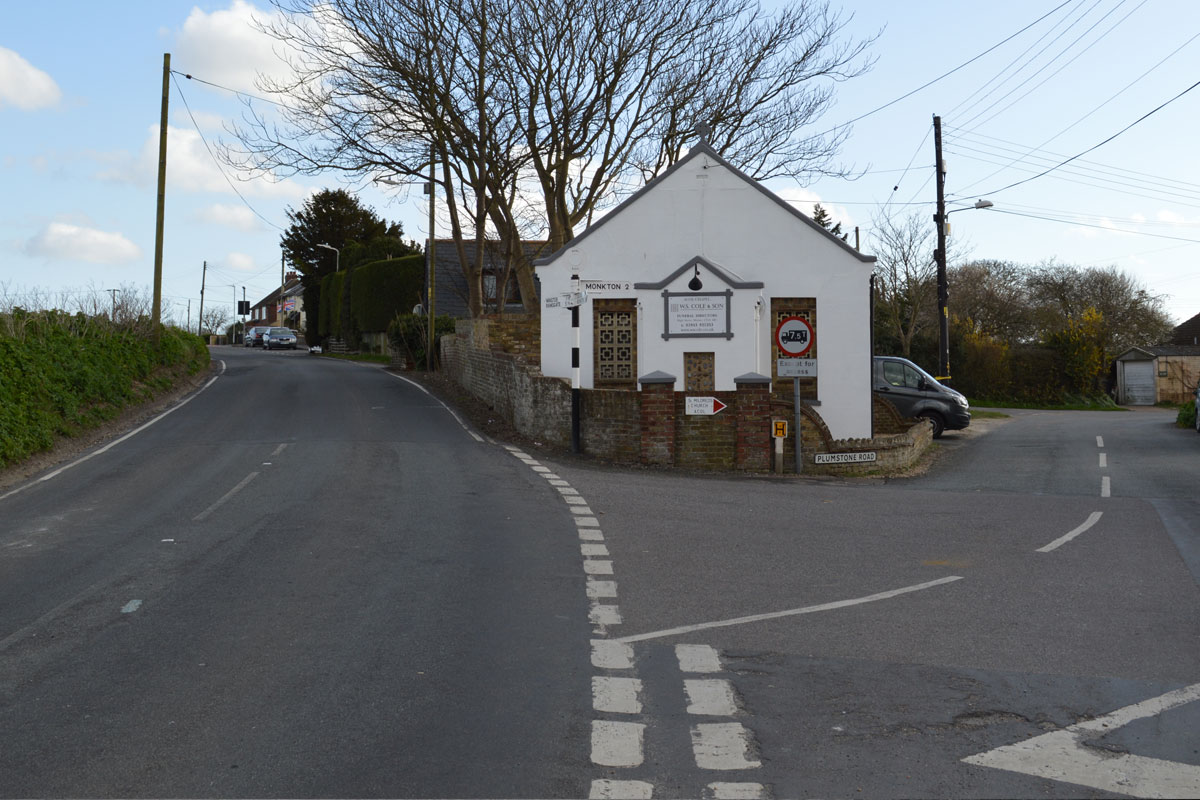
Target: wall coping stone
751 377
658 376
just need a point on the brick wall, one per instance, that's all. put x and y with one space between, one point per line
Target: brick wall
651 426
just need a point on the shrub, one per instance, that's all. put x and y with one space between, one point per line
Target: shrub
1187 415
409 334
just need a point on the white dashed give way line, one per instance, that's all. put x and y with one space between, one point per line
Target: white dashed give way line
1065 755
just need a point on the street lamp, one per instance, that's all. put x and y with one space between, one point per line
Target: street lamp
943 230
337 259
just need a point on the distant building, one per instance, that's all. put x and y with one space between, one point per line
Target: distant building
450 284
268 310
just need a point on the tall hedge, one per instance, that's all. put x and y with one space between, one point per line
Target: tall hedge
61 374
382 289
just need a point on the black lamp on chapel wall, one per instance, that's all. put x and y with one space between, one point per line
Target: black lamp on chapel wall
694 284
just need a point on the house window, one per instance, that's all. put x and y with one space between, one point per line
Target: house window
491 280
699 370
614 352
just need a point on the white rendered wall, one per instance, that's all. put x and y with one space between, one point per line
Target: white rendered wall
704 209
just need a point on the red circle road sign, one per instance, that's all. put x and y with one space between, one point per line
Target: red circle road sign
794 336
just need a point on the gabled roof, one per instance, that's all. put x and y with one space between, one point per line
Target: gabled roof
1148 352
703 149
1187 332
723 274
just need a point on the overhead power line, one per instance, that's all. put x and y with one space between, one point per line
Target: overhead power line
1140 119
1100 227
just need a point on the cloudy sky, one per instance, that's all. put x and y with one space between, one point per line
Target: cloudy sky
1032 84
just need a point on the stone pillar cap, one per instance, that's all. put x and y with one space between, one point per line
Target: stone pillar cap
658 376
752 377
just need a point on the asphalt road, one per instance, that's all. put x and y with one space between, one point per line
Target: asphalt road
308 581
312 580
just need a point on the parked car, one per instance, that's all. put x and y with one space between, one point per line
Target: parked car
916 393
279 337
254 336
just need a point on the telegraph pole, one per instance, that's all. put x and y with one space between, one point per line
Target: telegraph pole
113 292
940 254
200 316
156 309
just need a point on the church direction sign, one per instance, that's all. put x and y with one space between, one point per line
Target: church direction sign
697 315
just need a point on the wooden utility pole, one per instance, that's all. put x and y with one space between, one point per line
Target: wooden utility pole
200 317
156 308
940 254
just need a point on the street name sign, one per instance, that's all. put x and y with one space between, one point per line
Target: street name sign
843 458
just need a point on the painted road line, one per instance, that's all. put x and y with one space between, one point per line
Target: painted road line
712 697
204 514
1103 460
1105 487
598 589
574 500
605 789
604 615
591 534
597 566
566 490
697 658
1067 756
131 606
1092 519
587 522
616 695
641 637
114 442
450 411
737 791
607 654
556 481
723 745
1099 441
277 450
582 511
593 549
617 744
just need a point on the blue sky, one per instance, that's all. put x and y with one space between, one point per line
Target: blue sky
80 89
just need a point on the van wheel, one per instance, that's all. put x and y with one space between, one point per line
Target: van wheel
939 426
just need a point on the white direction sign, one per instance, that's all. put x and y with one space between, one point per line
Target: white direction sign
796 367
703 405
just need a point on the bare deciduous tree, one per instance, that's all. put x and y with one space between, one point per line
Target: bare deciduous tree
906 287
554 106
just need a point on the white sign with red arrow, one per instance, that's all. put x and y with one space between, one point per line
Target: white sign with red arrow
703 405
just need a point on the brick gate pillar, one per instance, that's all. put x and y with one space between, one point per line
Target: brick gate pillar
658 418
753 422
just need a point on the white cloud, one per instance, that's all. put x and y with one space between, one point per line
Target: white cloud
24 85
64 241
240 262
225 48
238 217
192 168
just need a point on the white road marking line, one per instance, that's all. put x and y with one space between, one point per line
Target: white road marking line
581 510
1064 756
587 522
1092 519
1105 487
510 448
606 789
168 540
595 566
532 462
204 514
597 589
278 450
556 481
737 791
114 442
604 614
591 534
641 637
547 474
566 490
697 658
617 744
616 695
593 549
574 500
607 654
1103 460
131 606
711 697
448 409
1099 441
723 745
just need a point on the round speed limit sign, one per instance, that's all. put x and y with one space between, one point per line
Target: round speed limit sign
794 336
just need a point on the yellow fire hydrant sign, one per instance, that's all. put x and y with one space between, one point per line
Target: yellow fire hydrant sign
779 428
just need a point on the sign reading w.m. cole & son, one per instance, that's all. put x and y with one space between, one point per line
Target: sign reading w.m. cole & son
697 315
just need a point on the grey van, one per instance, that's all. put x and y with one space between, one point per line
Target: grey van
916 393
